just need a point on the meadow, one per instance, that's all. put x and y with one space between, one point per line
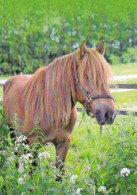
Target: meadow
124 69
97 163
32 34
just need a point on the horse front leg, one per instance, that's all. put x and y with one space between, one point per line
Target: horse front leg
61 152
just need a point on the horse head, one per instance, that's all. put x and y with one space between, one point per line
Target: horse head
92 90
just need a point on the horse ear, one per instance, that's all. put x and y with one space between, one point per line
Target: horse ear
101 47
82 48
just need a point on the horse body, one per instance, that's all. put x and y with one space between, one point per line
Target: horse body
49 96
13 89
14 106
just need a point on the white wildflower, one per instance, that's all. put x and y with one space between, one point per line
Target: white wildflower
24 160
73 178
21 180
22 193
29 155
49 146
98 167
25 157
21 169
88 168
3 152
20 141
11 159
78 191
124 172
26 146
89 182
102 189
43 155
16 149
25 175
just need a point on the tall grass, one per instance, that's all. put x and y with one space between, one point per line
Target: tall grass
93 160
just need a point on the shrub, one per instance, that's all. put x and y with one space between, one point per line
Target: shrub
114 59
129 56
5 68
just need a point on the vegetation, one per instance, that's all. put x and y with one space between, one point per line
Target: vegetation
124 69
32 33
126 100
94 160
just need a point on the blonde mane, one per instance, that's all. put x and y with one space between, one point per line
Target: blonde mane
95 67
51 90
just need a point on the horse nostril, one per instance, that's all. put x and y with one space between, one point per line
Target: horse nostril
107 116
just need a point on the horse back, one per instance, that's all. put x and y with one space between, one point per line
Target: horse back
13 93
15 82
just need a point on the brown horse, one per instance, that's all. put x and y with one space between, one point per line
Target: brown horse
49 97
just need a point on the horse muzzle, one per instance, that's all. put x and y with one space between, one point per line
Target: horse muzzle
105 117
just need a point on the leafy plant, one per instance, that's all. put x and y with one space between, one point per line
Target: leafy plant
96 163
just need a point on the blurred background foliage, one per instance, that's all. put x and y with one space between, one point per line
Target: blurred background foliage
34 32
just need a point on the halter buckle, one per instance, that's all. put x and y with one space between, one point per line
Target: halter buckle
88 98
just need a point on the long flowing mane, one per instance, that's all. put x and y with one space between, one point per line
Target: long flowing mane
97 69
51 90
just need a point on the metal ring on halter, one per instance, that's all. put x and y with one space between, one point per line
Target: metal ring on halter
88 98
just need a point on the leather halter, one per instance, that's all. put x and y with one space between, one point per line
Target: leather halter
88 96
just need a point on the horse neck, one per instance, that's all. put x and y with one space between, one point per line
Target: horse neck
52 91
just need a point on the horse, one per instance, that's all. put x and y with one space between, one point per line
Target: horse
49 96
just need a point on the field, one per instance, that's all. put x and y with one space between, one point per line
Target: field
124 69
93 160
34 33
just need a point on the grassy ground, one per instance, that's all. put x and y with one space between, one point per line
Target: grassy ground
124 69
1 91
125 100
125 81
3 77
93 159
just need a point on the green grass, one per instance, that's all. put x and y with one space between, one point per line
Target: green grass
125 81
1 92
126 99
4 77
96 159
124 69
